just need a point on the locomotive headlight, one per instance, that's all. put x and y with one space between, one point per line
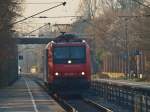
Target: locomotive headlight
83 73
52 41
83 41
69 61
56 73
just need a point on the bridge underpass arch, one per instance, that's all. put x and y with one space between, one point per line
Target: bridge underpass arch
30 54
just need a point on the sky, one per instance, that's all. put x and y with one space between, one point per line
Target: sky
70 9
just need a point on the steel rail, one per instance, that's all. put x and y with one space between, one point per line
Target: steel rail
104 109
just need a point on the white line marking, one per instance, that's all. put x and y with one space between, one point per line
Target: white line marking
31 96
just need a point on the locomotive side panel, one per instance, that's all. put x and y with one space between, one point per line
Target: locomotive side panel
88 63
45 63
50 64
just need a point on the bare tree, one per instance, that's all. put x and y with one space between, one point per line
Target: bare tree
9 10
107 23
113 24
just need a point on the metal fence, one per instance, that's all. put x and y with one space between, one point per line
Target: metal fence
131 98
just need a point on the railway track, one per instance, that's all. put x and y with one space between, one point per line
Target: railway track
86 105
76 104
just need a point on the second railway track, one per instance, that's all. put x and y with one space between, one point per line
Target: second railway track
86 105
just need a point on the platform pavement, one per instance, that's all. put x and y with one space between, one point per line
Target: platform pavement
26 96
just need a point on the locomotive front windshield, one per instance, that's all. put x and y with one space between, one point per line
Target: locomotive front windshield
74 53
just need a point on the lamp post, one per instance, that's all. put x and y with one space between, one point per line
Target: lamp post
127 71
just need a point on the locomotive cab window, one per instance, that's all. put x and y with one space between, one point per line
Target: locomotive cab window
77 54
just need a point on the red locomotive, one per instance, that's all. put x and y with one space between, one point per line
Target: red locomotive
67 60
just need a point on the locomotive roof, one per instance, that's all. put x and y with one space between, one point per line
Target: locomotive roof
67 38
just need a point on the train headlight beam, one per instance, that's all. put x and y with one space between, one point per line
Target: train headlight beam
69 61
83 73
56 73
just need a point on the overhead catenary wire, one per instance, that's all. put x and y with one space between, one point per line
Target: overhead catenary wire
58 17
38 28
63 3
33 3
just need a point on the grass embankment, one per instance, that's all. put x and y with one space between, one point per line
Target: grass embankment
108 76
119 76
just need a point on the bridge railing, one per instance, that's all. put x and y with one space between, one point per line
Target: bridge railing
128 97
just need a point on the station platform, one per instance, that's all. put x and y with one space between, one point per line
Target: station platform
27 96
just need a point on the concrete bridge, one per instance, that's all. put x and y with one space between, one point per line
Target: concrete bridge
38 40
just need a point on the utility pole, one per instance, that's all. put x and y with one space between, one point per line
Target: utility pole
127 70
